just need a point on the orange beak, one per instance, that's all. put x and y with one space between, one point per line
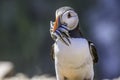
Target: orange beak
56 24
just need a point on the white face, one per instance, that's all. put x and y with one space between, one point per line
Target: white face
70 18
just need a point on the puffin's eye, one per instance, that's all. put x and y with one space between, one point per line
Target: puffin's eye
69 15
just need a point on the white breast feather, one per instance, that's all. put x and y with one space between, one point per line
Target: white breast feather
76 55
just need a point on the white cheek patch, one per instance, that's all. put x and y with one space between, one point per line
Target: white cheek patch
71 22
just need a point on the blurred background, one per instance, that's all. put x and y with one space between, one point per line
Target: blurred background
25 39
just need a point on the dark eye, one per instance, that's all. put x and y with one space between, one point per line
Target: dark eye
69 15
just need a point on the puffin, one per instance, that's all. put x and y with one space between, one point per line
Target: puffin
74 56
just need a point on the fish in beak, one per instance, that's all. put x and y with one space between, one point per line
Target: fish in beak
61 31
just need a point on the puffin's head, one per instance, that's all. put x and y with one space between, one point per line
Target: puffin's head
66 16
66 20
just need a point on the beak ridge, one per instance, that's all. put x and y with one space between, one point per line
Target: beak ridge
57 21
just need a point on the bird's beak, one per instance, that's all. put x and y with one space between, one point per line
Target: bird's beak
56 24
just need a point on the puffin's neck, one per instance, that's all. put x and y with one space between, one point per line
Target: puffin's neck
76 33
